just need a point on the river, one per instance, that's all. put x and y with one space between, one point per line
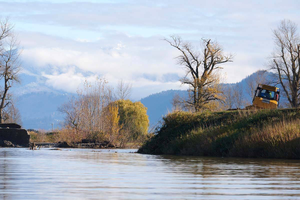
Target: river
121 174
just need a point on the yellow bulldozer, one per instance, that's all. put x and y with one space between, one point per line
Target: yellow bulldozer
265 97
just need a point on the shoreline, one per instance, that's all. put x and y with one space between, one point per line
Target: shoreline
238 134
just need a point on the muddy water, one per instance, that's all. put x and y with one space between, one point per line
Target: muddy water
119 174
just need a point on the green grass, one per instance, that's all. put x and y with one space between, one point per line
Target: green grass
263 133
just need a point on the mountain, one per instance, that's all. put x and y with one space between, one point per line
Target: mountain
159 104
38 104
39 110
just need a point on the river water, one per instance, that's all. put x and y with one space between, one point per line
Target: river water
122 174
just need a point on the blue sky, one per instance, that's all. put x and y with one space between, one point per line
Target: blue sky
66 42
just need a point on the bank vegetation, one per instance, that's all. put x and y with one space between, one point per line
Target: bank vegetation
97 117
239 133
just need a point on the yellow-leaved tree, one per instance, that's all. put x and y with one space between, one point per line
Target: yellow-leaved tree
201 71
112 124
133 121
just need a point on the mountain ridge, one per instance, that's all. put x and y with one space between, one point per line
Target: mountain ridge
39 109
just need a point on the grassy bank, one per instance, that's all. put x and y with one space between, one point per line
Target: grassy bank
263 134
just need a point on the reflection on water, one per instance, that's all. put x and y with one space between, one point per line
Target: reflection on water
119 174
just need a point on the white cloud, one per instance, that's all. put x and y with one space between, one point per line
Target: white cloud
131 59
123 39
70 81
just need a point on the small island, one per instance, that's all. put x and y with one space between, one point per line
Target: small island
238 133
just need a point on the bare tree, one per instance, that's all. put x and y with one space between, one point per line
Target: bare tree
11 114
9 62
73 117
6 30
123 90
229 96
177 102
286 60
201 70
239 96
85 113
94 98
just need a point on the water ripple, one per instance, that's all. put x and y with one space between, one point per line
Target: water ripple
119 174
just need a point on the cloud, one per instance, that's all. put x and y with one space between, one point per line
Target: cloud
65 64
177 15
69 41
69 81
129 59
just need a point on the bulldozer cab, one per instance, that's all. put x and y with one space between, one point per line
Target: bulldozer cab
266 97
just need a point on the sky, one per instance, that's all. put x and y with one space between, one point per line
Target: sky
66 42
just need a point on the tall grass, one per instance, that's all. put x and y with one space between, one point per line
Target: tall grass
264 133
276 140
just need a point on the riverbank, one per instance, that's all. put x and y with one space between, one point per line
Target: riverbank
239 133
60 139
80 145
